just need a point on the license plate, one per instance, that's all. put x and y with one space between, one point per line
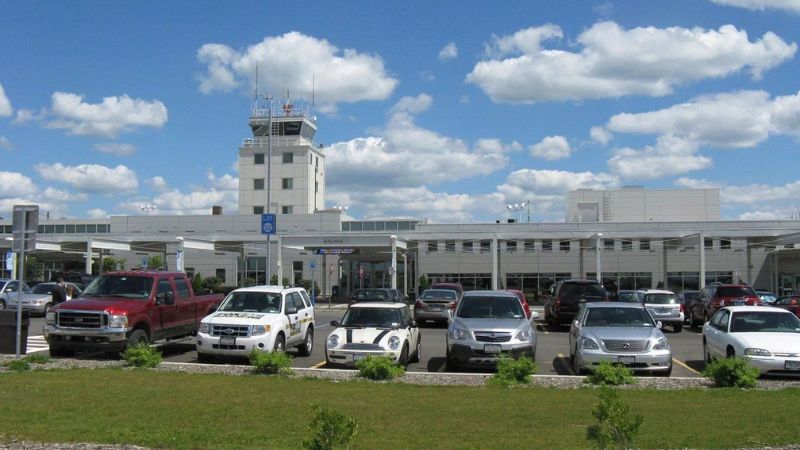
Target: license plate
436 308
227 340
791 365
627 359
359 357
492 348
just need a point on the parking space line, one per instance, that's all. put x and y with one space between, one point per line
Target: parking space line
318 365
685 366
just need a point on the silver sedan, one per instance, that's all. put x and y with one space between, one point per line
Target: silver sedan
620 333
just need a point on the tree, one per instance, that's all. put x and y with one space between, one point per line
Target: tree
33 270
155 262
197 283
423 283
109 264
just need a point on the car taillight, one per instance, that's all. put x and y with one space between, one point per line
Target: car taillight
418 304
557 303
453 307
682 310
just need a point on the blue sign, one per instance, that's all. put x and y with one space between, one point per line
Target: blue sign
312 265
268 224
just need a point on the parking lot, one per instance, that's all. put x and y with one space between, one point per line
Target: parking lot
552 354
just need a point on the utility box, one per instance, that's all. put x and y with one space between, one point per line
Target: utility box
8 332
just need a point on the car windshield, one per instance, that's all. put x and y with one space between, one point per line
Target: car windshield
431 294
371 317
618 317
490 308
582 290
261 302
735 291
627 296
127 286
764 322
660 299
44 288
371 294
787 301
769 298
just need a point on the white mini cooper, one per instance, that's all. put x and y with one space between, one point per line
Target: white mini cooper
380 329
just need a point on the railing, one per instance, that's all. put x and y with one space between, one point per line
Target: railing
278 141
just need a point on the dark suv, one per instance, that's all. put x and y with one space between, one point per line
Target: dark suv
715 296
377 295
568 295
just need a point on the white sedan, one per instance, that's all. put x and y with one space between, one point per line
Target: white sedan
377 329
768 337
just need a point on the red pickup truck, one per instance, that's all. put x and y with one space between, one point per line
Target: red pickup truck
119 309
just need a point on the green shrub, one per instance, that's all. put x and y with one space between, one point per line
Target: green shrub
616 425
379 368
608 374
142 355
38 358
732 372
512 371
18 365
270 362
328 429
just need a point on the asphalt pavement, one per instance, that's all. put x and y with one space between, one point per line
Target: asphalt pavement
552 353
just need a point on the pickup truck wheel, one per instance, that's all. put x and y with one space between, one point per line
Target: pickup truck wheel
308 343
677 327
280 345
137 336
56 352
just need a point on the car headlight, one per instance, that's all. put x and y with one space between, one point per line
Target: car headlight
661 344
204 327
50 318
333 341
460 334
117 321
524 335
757 352
588 344
260 329
394 342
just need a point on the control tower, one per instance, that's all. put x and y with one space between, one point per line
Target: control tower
298 165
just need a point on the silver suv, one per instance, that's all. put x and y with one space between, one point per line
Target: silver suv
486 325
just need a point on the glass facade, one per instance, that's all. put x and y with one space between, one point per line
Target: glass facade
533 284
690 281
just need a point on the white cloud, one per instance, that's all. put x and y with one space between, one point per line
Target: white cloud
94 178
409 202
427 76
449 51
670 156
5 144
96 213
760 215
197 202
734 120
28 115
295 61
158 183
761 5
406 155
524 183
109 118
116 148
56 209
694 183
614 62
59 196
760 193
600 135
223 183
551 148
5 104
14 184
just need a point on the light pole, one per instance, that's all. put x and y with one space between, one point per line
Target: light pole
149 208
597 257
516 209
269 191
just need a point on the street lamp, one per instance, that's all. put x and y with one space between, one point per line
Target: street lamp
516 209
149 208
597 257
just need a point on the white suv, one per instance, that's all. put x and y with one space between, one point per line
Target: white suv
267 318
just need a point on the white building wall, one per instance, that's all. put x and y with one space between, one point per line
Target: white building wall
635 204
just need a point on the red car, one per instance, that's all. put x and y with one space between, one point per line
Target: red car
715 296
523 300
791 304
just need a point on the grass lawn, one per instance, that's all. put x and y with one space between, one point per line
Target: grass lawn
178 410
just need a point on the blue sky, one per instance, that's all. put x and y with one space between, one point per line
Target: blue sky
439 110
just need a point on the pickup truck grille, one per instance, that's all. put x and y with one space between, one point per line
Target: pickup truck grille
488 336
68 319
230 330
620 345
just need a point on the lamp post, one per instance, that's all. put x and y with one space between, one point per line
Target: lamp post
597 257
149 208
516 209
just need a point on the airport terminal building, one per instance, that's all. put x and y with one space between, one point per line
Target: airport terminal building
635 237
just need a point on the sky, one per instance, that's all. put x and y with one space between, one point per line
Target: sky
447 111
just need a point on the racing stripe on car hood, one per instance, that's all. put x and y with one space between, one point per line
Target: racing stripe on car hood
380 336
349 335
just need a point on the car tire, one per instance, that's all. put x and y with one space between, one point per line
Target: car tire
280 344
138 336
577 369
677 327
403 361
2 305
418 352
205 358
46 307
308 343
692 321
57 352
665 373
450 364
706 353
730 352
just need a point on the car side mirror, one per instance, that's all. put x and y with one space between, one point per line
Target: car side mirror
413 324
534 315
9 290
576 324
659 324
291 310
334 323
165 298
